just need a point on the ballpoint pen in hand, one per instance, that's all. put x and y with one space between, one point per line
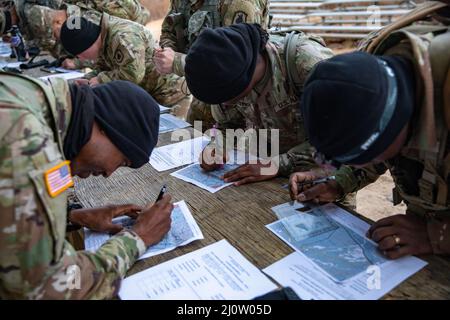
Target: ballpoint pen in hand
315 182
161 193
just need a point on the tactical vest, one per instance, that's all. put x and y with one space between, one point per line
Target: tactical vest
277 104
428 46
207 16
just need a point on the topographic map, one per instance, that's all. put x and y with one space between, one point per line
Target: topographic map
336 249
207 180
183 230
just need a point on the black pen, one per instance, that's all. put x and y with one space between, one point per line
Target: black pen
314 182
161 193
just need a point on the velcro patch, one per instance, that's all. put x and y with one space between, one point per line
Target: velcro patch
58 179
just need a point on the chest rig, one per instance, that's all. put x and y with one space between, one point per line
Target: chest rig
197 16
428 47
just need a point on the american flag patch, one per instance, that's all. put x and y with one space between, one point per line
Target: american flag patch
58 179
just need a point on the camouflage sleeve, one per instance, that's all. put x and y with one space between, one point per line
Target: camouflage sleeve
91 74
128 56
245 11
297 159
36 262
168 90
80 64
308 53
352 179
144 16
228 117
439 234
168 37
179 62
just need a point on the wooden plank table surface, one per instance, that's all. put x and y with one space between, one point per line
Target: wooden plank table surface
236 214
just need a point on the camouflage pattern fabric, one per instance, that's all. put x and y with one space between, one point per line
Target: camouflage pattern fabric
127 54
36 262
187 18
421 171
273 103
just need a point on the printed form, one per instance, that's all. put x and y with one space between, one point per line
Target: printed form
216 272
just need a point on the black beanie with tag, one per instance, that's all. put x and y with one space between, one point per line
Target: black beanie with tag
221 62
355 105
78 35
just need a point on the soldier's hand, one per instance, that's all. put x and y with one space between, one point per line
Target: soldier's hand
100 219
163 59
68 64
324 192
94 81
249 173
6 38
210 161
154 221
401 235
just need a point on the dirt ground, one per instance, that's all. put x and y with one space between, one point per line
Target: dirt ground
375 201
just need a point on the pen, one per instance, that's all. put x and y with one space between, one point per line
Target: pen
214 131
161 193
314 182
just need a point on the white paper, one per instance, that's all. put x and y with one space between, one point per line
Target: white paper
14 64
163 109
178 154
67 76
309 282
211 181
184 230
309 279
216 272
330 237
168 123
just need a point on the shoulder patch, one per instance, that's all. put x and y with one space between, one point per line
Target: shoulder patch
118 56
58 179
240 17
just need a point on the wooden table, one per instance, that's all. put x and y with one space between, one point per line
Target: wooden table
236 214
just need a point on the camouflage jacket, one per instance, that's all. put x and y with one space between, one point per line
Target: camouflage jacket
421 171
36 20
187 18
127 54
36 262
274 104
131 10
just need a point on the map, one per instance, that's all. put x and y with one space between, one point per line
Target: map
206 180
184 230
336 249
168 123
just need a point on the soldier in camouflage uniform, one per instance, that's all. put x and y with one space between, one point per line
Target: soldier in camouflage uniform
46 23
271 98
413 143
131 10
35 260
124 51
35 20
184 22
